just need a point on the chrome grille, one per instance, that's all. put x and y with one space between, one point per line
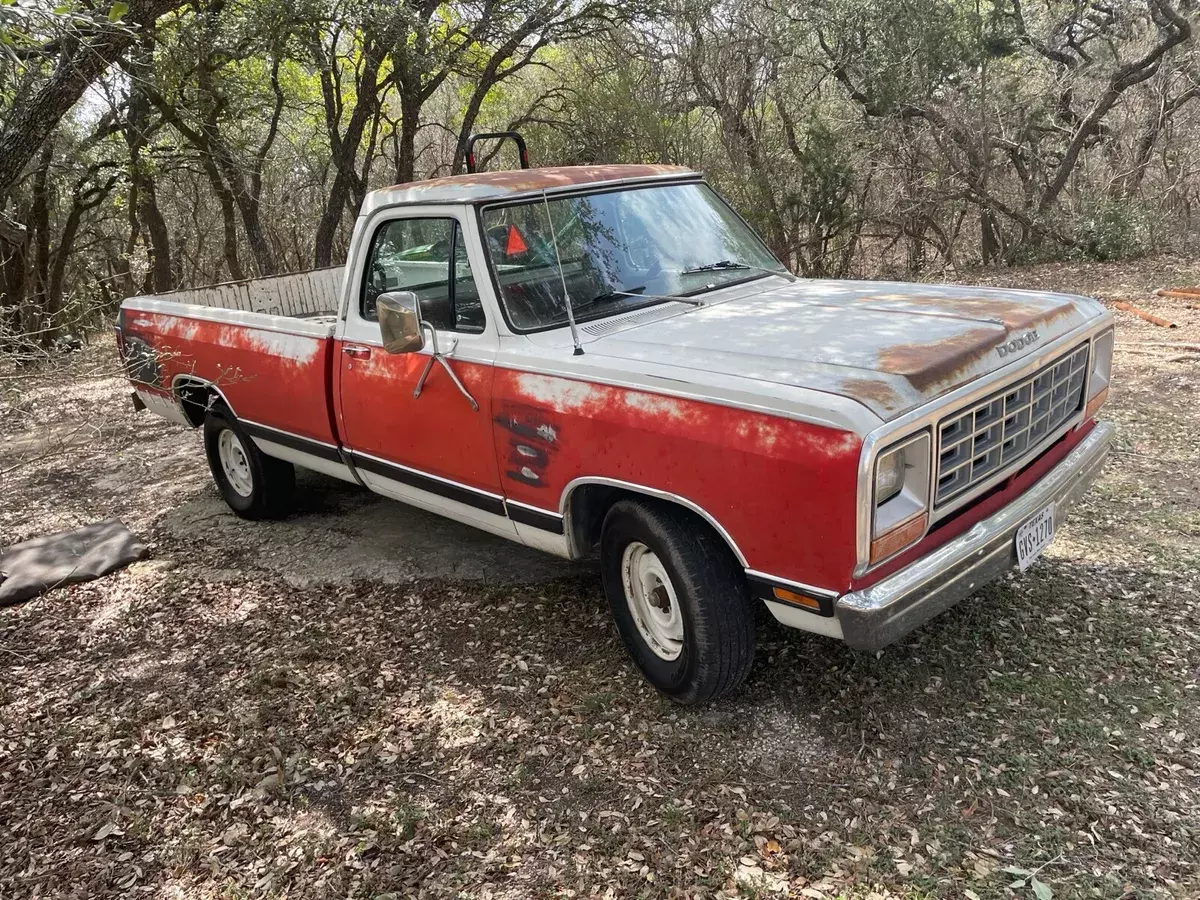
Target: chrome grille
1008 426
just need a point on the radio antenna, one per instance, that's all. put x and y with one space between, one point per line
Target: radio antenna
563 276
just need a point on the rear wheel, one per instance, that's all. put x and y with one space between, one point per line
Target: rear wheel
679 599
254 485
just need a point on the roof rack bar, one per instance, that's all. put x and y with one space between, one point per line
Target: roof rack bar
522 151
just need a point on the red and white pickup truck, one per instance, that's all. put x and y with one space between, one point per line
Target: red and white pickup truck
608 359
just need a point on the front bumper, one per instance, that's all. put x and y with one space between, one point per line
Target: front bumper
883 613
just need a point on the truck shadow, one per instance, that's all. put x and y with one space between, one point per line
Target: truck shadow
340 533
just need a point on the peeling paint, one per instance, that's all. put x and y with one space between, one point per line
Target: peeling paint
760 436
187 329
298 348
271 377
775 484
654 404
559 394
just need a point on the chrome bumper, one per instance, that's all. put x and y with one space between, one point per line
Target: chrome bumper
885 612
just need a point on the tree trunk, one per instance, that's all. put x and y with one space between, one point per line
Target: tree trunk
137 136
344 146
35 319
410 108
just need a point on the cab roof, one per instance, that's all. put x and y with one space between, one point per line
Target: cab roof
512 183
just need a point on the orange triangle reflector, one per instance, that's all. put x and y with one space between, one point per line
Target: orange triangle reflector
516 243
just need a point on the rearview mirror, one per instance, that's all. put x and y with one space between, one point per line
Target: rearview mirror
400 322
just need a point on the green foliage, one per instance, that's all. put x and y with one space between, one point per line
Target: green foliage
857 136
904 51
825 178
1113 230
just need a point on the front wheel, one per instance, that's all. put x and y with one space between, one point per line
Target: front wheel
254 485
679 599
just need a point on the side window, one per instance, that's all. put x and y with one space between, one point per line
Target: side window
419 255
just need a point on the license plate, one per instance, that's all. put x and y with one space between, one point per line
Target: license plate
1033 537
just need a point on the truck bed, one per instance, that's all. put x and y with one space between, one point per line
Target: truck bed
297 295
262 345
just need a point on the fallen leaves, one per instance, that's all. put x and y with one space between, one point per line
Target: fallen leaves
201 727
108 829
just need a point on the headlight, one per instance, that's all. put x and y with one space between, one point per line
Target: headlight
889 476
901 499
1102 356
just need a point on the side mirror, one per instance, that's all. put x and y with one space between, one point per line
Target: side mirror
400 322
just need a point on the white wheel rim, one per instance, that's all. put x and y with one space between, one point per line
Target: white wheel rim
651 599
234 463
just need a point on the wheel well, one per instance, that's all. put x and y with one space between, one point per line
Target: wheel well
588 504
196 398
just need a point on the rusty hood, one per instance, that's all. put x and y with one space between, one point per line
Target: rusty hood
890 346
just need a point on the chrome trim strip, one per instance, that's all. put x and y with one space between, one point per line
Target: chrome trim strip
532 508
535 517
446 481
876 616
299 443
564 507
798 586
290 434
928 415
492 504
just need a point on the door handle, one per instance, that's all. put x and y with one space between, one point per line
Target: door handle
356 352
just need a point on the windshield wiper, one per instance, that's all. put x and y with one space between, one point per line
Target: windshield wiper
609 296
714 266
725 264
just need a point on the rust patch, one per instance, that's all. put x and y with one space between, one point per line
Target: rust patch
515 180
532 440
928 365
873 391
1015 314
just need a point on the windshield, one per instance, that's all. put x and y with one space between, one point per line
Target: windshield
620 250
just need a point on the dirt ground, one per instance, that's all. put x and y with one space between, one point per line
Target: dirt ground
367 701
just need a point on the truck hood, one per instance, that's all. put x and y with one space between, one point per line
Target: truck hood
889 346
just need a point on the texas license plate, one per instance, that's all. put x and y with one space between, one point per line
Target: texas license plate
1033 537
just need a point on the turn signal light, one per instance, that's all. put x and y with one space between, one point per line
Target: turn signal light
796 599
898 538
1094 404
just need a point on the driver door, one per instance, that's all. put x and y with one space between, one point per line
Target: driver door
435 450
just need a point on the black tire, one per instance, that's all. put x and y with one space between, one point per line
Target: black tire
272 481
717 649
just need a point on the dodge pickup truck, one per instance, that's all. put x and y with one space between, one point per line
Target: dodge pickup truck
606 360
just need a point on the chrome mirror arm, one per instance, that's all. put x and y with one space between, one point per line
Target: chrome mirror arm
438 357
